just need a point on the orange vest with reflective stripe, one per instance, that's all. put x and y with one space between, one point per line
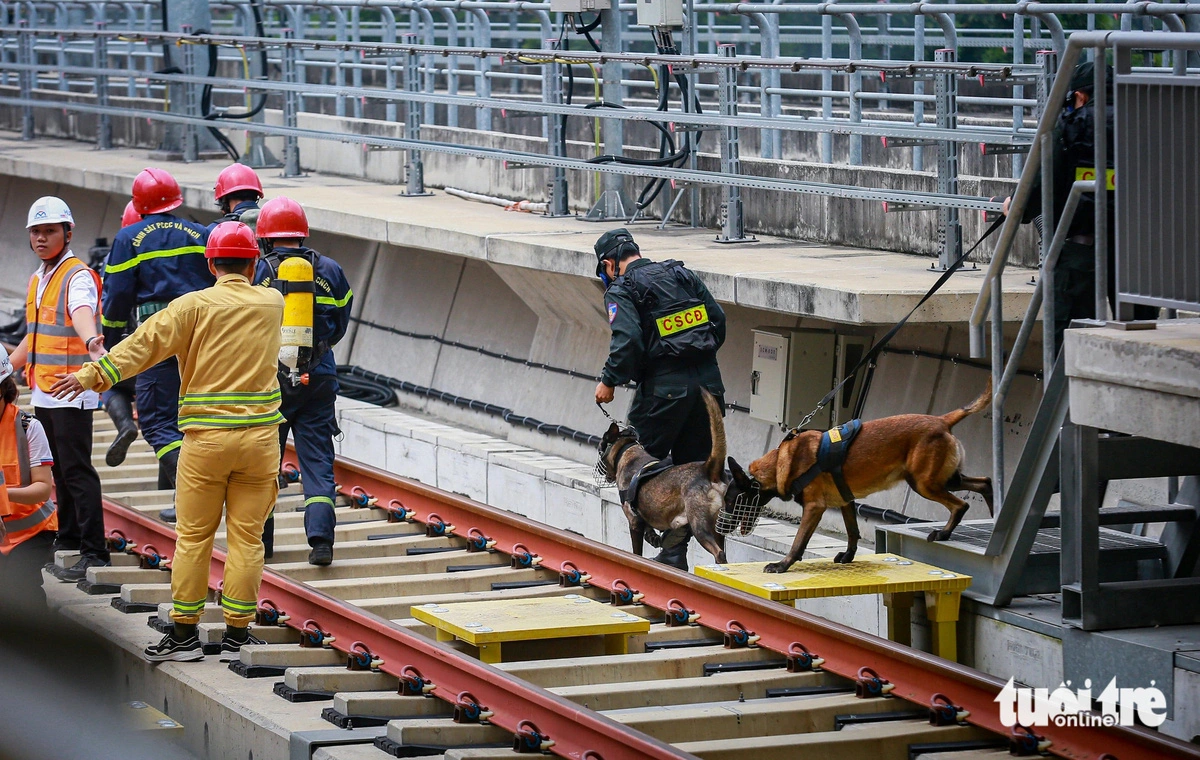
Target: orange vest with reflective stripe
21 521
54 346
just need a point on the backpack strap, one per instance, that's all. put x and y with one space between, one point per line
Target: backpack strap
22 425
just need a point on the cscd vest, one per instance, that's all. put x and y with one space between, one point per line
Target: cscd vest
21 521
54 346
675 321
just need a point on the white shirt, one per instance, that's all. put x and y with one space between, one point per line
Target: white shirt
39 445
81 292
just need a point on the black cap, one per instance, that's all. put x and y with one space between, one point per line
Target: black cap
1083 79
612 241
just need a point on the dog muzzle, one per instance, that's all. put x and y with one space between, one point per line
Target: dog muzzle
742 517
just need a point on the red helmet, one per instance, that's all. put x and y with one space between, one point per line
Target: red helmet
282 218
130 215
236 177
231 240
156 192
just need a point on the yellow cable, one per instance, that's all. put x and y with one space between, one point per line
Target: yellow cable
249 99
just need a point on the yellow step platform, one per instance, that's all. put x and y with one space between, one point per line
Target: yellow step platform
897 578
487 625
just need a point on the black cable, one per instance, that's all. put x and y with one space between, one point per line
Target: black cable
503 357
362 389
494 410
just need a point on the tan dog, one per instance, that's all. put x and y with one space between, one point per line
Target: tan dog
917 448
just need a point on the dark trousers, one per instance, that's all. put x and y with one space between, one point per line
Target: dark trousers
1075 288
21 573
157 393
309 413
76 483
673 422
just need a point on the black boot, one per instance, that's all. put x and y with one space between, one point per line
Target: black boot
168 464
675 548
269 536
120 411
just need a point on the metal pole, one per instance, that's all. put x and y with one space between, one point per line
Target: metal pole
919 88
826 85
1100 99
997 380
415 168
291 145
1049 61
191 140
26 77
947 118
690 47
552 93
612 203
1018 112
100 61
733 227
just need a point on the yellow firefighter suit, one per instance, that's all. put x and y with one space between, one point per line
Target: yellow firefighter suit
226 339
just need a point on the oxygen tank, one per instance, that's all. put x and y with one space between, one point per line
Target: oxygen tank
296 349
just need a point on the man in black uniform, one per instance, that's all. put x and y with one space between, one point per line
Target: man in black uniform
1074 159
666 329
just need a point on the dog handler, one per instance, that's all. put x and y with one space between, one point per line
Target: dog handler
226 339
666 329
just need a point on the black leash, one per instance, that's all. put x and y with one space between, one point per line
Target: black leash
870 355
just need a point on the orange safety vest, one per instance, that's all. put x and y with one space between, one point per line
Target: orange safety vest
54 346
21 521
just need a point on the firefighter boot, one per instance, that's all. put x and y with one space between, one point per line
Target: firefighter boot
120 411
675 548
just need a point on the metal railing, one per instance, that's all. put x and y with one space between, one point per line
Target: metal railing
1041 162
342 57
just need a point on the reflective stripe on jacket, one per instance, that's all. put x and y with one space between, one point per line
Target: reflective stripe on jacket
21 521
54 346
226 339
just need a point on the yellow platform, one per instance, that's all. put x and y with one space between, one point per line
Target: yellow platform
487 625
897 578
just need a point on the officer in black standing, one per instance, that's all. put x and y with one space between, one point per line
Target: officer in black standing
666 329
1075 159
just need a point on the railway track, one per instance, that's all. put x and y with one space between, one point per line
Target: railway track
720 675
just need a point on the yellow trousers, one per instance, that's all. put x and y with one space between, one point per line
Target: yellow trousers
234 470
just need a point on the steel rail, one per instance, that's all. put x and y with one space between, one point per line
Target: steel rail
916 676
521 159
873 128
576 731
1023 72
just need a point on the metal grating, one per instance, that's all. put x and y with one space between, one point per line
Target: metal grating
1048 541
1158 191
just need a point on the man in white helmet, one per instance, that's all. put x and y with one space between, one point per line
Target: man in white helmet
61 307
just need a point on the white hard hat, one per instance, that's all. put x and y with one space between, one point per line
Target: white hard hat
49 210
6 367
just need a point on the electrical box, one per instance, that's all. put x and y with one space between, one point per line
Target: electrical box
660 12
792 369
579 6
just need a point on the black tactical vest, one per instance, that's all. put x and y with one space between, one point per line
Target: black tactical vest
675 322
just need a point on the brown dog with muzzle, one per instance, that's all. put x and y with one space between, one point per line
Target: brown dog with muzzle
916 448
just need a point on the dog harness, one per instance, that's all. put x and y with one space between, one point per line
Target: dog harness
831 455
629 494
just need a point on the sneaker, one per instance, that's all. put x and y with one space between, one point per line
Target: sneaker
233 645
78 571
178 651
321 555
167 516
